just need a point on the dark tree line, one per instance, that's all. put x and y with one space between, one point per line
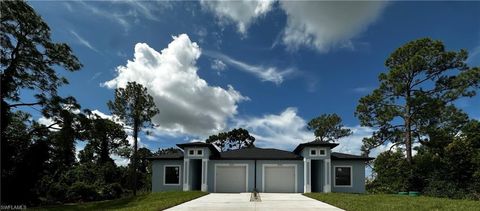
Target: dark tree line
39 163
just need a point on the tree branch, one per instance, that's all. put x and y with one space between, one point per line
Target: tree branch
24 104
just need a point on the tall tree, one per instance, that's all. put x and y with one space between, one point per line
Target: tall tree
105 137
166 151
135 107
328 127
237 138
422 79
28 57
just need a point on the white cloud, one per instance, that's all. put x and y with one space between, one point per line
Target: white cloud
218 65
110 15
326 24
242 12
474 57
320 25
82 41
284 131
187 104
362 90
353 143
47 122
272 74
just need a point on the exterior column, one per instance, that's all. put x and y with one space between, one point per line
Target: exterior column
186 182
327 188
307 184
204 175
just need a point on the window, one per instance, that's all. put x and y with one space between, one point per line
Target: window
199 152
172 175
313 152
343 176
191 152
322 152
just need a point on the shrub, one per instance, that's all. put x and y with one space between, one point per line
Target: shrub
80 191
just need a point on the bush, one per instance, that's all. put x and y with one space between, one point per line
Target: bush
80 191
112 191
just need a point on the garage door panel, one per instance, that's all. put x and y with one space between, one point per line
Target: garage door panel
279 179
230 179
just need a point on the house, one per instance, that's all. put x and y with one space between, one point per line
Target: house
311 167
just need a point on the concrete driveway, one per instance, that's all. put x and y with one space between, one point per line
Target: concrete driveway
241 201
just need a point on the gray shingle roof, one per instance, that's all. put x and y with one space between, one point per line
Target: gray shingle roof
343 156
316 143
255 153
171 156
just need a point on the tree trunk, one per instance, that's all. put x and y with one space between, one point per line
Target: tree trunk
408 139
135 146
408 129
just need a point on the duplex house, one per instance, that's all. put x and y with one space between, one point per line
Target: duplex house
311 167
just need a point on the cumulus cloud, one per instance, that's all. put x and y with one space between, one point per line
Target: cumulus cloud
284 131
271 74
188 105
320 25
287 129
323 24
242 12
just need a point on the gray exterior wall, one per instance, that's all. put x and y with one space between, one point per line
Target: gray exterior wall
358 172
206 153
358 176
157 175
306 153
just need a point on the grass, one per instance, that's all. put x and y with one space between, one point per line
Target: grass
352 202
151 201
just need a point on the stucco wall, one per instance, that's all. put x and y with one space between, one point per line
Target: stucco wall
157 175
206 153
358 176
306 153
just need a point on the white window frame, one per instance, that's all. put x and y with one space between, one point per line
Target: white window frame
279 165
335 176
324 152
165 174
317 152
229 165
195 152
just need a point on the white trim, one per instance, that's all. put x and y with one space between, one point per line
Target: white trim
179 174
186 186
317 152
335 176
228 165
279 165
204 175
195 152
327 188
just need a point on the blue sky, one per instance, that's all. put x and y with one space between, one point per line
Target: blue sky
266 66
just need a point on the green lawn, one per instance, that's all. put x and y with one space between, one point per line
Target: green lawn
351 202
152 201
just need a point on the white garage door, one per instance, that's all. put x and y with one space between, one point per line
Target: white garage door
279 179
230 179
